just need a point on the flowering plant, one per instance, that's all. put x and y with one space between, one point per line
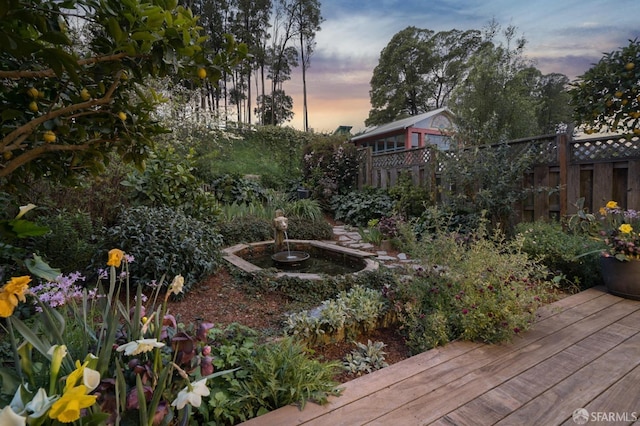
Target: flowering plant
127 365
620 231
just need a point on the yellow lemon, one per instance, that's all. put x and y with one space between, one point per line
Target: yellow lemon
7 155
84 94
629 66
32 92
33 106
49 136
618 94
202 73
625 101
122 115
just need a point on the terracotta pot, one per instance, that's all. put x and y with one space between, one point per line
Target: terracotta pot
621 278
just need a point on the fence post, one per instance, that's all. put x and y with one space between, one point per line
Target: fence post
562 140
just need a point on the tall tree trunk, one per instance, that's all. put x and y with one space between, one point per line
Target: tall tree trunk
304 85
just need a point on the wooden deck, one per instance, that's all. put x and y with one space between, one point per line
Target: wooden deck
583 352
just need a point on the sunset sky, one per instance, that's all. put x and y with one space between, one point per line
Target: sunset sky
564 36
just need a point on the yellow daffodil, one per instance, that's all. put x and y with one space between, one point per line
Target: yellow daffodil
115 257
67 408
191 394
9 417
139 346
612 205
625 228
11 293
176 285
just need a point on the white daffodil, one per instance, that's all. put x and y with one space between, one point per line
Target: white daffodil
139 346
176 285
25 209
90 378
8 417
192 394
40 404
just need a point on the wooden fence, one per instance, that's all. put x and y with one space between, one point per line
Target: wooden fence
597 169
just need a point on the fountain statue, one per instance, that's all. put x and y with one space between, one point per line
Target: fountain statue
284 255
280 225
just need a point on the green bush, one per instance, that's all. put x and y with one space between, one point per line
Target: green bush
563 253
330 167
245 229
71 243
233 188
357 208
305 229
168 180
282 373
479 289
166 241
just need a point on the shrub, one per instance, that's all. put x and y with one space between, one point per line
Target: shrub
409 199
330 167
481 288
282 373
358 207
562 253
230 188
71 243
245 229
305 229
168 180
164 241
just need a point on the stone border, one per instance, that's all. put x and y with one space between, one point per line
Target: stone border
229 254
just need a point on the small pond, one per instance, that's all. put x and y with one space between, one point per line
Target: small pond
320 262
326 259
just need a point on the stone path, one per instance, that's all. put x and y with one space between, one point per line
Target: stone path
348 237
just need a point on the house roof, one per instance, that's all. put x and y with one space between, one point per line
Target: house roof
404 123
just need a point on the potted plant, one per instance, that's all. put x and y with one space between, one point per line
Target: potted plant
619 230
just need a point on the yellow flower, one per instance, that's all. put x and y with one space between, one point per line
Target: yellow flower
11 293
115 257
625 228
612 205
603 211
67 408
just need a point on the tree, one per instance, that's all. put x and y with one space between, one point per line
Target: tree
504 95
67 105
417 72
283 111
555 105
307 17
607 96
397 87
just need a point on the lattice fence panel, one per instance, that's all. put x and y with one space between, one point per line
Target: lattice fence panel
604 149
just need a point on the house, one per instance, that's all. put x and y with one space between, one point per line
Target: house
429 128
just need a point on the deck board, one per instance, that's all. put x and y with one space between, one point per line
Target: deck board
583 351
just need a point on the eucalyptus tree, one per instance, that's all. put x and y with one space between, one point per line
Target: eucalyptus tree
281 56
307 16
250 26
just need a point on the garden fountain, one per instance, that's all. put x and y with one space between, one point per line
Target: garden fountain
281 256
307 259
